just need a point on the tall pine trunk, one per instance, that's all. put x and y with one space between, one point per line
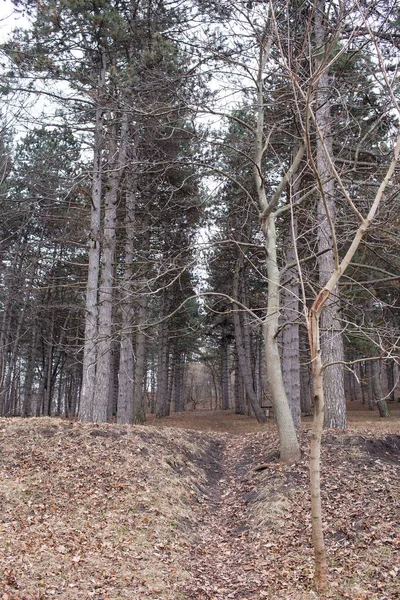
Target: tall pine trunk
332 350
91 331
379 398
240 408
226 393
105 363
126 356
179 371
290 336
162 399
242 343
139 406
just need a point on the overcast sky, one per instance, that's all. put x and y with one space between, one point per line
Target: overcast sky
8 19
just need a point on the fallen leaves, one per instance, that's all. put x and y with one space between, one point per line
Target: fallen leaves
109 512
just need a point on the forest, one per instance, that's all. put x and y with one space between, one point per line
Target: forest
179 181
200 207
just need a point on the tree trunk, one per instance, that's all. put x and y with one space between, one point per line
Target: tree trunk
90 342
363 377
179 362
349 381
105 322
377 389
5 340
61 388
306 393
153 388
390 380
321 564
396 375
290 333
288 443
6 392
259 380
331 330
30 372
126 356
104 371
74 393
243 350
162 408
40 399
226 402
47 392
240 408
139 405
369 377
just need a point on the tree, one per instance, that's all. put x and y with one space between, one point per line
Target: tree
331 339
131 87
41 256
338 268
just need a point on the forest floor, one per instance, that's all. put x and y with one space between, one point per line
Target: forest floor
195 508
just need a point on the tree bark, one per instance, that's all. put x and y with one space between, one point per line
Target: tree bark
332 349
104 371
106 299
240 408
362 376
126 357
321 564
305 377
90 341
370 389
290 320
7 387
379 398
243 349
288 443
226 401
390 380
139 405
30 371
162 406
179 369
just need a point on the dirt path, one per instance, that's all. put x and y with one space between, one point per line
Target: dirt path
232 557
224 558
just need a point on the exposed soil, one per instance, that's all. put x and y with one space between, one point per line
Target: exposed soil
223 559
109 512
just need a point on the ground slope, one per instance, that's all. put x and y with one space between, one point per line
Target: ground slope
109 512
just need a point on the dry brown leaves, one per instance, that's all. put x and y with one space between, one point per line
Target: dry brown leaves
109 512
94 511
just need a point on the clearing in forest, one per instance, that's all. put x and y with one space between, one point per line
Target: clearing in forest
168 513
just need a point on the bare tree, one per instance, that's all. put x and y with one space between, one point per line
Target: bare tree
334 274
